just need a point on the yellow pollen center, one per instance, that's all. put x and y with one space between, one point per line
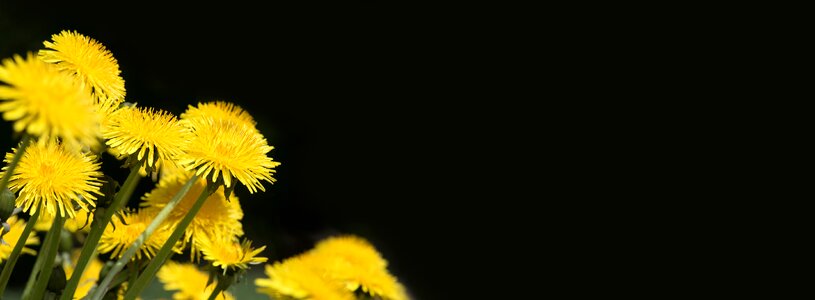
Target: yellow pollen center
47 170
223 150
230 254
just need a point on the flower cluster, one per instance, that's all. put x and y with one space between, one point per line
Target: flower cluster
67 103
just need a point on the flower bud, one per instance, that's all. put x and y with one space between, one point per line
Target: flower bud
6 204
57 281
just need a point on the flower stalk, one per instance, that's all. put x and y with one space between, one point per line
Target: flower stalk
43 267
11 166
128 255
98 226
152 268
219 287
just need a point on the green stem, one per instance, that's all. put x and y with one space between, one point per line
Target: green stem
119 279
155 224
97 229
44 249
16 159
52 245
218 289
15 253
162 254
133 272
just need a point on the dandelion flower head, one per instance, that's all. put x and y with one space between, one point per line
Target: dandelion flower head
51 178
45 102
155 137
218 110
298 278
89 60
356 263
228 254
225 149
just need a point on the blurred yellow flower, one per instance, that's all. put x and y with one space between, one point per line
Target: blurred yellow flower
125 233
89 276
91 62
227 149
352 249
218 110
217 215
298 278
156 137
226 253
52 178
13 236
45 102
80 222
355 263
188 282
347 262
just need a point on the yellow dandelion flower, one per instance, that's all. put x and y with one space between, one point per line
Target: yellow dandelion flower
13 236
218 110
156 137
45 102
353 249
81 222
224 252
89 276
355 263
298 278
119 239
52 178
217 215
188 281
227 149
91 62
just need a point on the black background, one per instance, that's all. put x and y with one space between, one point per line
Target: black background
362 101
